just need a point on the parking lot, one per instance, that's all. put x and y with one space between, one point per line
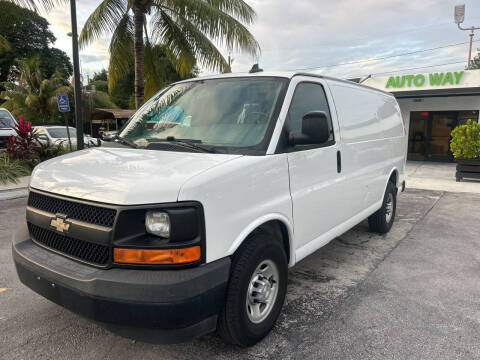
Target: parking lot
414 293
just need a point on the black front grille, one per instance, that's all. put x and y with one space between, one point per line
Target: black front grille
79 249
83 212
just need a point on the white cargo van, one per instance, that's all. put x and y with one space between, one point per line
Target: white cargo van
189 221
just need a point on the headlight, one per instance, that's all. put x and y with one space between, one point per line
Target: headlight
158 223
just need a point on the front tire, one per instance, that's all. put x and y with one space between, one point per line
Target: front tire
381 221
256 291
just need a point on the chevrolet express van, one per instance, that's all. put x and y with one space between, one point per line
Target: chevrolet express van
214 188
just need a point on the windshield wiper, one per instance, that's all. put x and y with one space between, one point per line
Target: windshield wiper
125 141
190 143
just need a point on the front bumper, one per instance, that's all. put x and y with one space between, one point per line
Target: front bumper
171 305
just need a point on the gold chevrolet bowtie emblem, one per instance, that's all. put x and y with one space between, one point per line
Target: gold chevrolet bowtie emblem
60 224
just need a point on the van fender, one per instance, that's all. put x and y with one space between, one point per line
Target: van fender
388 178
257 223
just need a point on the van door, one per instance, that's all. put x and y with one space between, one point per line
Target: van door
319 196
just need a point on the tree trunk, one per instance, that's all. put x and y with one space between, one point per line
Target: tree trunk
138 20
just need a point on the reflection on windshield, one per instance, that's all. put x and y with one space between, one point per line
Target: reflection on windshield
233 112
61 133
6 120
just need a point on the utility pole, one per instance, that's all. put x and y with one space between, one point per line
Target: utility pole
459 16
76 77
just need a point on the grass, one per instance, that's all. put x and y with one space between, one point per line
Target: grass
11 170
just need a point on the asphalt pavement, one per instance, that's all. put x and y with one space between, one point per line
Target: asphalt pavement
413 293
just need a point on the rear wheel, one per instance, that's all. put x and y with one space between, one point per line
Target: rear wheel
382 220
256 291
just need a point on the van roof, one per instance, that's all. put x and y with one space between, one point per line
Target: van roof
283 74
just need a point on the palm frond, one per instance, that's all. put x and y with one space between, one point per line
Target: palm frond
239 9
4 45
105 18
121 51
172 36
211 21
37 5
184 40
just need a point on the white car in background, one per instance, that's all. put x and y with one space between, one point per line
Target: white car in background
7 124
57 135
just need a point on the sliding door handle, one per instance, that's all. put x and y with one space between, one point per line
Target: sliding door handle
339 162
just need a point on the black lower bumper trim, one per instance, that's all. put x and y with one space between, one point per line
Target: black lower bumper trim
175 305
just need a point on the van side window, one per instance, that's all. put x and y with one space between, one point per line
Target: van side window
308 97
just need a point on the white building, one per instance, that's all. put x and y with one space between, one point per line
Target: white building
432 105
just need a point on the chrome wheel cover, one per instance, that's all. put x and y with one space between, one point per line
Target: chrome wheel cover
262 291
389 208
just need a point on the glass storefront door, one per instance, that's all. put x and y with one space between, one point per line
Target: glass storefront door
429 133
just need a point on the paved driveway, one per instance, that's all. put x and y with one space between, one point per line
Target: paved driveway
413 293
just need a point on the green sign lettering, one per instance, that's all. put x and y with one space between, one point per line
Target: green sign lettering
458 76
391 82
418 80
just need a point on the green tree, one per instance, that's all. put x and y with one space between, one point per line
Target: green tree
186 28
101 75
28 35
32 96
475 62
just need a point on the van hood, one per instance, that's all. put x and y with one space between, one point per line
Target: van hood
123 176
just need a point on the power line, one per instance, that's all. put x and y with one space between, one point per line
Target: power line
407 69
383 57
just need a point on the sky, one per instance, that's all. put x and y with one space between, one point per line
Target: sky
318 35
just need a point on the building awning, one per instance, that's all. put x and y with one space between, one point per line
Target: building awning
111 114
437 92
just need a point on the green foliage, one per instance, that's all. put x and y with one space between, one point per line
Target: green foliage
32 96
466 141
100 85
46 151
12 169
37 5
28 35
53 59
188 31
101 75
102 100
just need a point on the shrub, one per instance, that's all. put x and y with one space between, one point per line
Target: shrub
466 141
12 169
25 145
46 151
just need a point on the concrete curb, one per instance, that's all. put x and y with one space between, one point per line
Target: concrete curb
13 194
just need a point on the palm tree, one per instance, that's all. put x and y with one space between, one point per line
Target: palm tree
32 96
36 5
187 29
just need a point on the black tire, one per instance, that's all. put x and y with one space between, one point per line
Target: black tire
380 222
234 324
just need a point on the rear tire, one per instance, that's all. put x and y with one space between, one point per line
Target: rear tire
381 221
256 291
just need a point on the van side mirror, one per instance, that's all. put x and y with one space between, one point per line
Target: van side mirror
314 130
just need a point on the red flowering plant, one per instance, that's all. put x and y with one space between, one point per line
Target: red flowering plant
25 145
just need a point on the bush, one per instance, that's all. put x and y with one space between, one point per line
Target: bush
46 152
25 145
12 169
466 141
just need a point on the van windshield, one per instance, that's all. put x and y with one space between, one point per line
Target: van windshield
224 114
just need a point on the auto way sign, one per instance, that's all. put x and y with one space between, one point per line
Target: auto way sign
418 80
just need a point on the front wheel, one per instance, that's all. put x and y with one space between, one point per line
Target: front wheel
256 291
381 221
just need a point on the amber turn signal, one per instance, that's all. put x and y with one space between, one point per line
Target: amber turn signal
157 256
